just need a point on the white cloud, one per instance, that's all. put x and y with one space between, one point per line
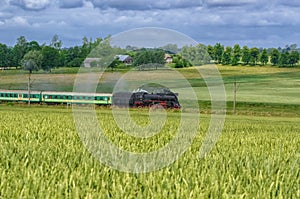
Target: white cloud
17 21
31 4
227 19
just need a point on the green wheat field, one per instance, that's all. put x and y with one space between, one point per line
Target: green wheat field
256 156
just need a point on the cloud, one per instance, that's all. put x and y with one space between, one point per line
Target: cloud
228 3
145 4
208 21
16 21
290 3
31 4
71 3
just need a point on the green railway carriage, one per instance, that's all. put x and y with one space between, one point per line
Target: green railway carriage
77 98
50 97
20 96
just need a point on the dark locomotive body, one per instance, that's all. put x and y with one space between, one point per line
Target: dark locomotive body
144 99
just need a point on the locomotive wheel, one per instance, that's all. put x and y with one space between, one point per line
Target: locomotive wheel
156 106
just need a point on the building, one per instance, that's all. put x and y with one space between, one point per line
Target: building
126 59
168 58
87 62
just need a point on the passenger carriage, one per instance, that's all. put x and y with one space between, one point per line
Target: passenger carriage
77 98
20 96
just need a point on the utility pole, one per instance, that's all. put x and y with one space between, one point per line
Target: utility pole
29 85
234 96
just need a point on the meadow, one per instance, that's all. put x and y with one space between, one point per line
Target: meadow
260 90
256 156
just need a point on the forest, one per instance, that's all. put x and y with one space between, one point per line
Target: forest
30 55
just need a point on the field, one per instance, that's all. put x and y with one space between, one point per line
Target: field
256 156
261 90
43 157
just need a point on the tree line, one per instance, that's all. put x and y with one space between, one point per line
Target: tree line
287 57
34 56
45 56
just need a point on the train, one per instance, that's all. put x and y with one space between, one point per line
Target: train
136 99
144 99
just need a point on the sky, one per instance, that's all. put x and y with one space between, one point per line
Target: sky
259 23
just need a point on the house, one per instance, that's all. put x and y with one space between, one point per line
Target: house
126 59
87 62
168 58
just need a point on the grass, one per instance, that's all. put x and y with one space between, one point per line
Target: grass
256 156
43 157
259 87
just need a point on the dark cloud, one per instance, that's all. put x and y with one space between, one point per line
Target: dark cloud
70 3
145 4
290 3
31 4
250 22
228 3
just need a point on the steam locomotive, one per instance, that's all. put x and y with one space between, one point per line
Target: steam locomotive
165 99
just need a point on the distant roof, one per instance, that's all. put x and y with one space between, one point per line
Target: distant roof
89 59
122 57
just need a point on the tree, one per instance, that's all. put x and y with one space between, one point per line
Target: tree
179 62
236 56
264 58
105 52
246 55
72 57
32 61
146 56
211 52
55 42
33 45
20 49
254 54
226 57
50 58
218 52
171 48
284 59
86 47
275 55
4 61
293 47
293 58
196 55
